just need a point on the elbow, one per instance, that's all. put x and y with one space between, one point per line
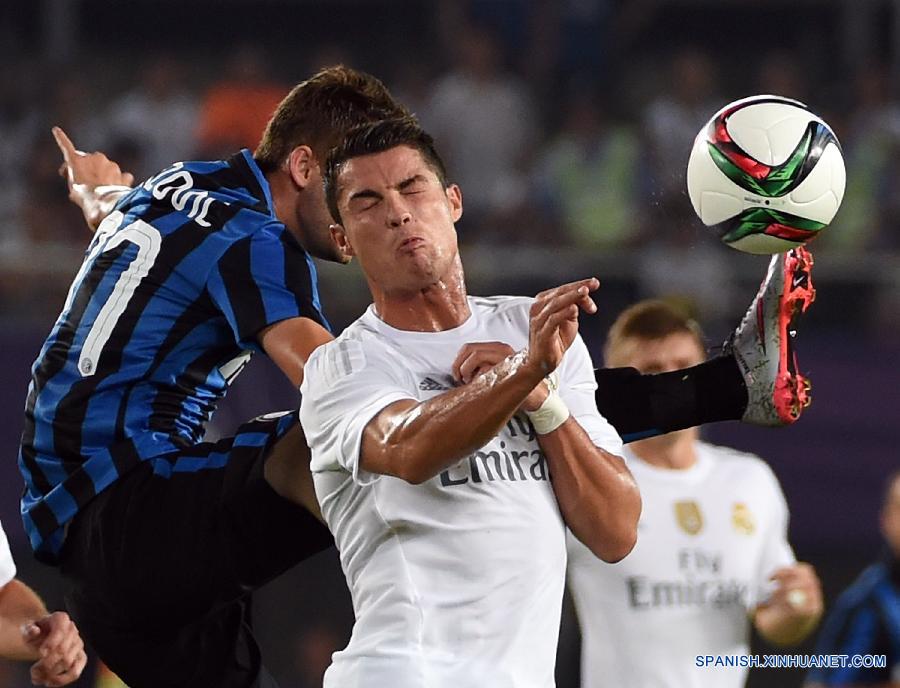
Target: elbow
407 466
397 468
394 447
411 474
620 536
616 548
391 454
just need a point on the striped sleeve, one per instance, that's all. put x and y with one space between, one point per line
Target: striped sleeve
262 279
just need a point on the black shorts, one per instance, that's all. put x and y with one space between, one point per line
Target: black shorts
161 563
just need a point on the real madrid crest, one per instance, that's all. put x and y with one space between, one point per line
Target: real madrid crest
689 517
742 519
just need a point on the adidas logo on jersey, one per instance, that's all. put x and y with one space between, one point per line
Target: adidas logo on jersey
432 385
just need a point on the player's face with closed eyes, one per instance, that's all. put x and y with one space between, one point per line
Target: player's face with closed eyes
398 219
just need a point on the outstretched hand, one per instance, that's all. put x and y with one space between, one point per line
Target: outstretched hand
62 656
90 177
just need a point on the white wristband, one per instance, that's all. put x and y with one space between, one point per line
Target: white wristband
111 189
549 415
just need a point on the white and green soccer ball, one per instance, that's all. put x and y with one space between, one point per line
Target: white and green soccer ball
766 174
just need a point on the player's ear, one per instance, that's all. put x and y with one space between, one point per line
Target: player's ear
341 240
301 165
454 196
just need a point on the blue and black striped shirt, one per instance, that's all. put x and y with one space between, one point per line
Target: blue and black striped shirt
865 620
164 312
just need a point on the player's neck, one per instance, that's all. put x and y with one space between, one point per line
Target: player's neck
441 306
674 451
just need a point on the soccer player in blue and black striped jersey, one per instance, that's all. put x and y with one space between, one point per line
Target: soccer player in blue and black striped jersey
160 534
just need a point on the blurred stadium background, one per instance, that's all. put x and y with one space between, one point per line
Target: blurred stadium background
568 124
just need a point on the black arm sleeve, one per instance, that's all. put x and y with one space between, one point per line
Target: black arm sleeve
640 406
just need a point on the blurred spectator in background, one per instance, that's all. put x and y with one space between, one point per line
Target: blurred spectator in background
866 617
159 115
712 551
236 109
673 119
483 118
588 175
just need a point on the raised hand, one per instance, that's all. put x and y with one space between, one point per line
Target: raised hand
94 181
554 322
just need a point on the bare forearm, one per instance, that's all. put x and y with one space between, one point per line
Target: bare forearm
597 495
19 605
418 442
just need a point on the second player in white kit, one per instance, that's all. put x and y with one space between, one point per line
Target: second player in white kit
709 538
712 551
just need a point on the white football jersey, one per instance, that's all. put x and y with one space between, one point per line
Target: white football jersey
709 537
7 566
456 582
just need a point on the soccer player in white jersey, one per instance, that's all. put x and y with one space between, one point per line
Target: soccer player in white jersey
29 633
712 552
434 436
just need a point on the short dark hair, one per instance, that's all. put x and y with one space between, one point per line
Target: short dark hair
376 137
651 319
321 110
